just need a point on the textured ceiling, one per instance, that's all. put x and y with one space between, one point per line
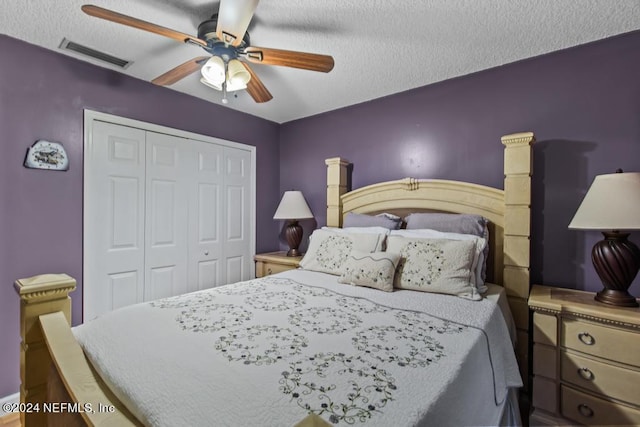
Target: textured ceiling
379 47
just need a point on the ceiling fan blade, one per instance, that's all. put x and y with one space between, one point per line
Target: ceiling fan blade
233 20
119 18
288 58
256 89
180 72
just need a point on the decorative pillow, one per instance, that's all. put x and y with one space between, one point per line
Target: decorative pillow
435 265
328 250
389 221
479 258
374 270
453 223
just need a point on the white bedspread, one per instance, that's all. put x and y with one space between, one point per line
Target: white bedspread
269 351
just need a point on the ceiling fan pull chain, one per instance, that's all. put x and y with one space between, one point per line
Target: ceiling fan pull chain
224 83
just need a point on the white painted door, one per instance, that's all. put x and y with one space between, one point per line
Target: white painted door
113 218
168 173
163 214
236 206
206 217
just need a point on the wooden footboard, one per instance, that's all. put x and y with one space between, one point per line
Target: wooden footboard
45 314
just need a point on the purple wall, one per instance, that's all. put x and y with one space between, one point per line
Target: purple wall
583 105
42 95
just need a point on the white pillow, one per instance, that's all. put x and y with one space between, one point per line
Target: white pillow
481 244
436 265
374 270
329 249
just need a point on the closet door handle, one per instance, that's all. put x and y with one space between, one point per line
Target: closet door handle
206 253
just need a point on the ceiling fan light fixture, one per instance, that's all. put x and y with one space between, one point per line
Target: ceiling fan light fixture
237 75
213 71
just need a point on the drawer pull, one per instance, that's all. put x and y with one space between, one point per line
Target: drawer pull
585 410
586 338
585 374
269 271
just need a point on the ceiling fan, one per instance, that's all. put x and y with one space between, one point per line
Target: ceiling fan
224 37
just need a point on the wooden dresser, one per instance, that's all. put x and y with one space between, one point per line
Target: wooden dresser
586 360
275 262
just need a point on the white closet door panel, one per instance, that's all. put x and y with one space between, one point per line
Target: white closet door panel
113 218
236 266
237 201
206 217
166 241
124 288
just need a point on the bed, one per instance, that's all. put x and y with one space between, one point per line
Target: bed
299 348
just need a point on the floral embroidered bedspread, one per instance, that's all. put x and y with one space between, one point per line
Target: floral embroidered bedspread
269 351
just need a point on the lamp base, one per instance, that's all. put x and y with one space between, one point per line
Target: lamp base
293 233
616 260
294 252
617 298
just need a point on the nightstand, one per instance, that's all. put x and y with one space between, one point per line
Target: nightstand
586 360
275 262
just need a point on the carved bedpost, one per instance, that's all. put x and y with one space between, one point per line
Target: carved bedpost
518 167
336 187
47 293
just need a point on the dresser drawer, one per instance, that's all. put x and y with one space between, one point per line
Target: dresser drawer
611 343
590 410
545 395
544 361
267 268
609 380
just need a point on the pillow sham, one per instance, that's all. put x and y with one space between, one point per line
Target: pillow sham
328 249
435 265
453 223
479 257
373 270
360 230
352 219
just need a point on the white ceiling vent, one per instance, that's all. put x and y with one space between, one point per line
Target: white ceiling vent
95 54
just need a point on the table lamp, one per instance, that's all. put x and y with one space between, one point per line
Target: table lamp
612 204
293 207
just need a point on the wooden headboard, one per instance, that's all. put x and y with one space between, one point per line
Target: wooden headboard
508 210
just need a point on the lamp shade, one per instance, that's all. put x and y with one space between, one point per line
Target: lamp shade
211 85
612 203
293 206
238 76
213 70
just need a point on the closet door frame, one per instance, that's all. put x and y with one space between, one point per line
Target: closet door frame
91 117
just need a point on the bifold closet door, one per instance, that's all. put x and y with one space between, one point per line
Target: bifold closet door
169 170
219 217
206 217
236 205
164 215
114 209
